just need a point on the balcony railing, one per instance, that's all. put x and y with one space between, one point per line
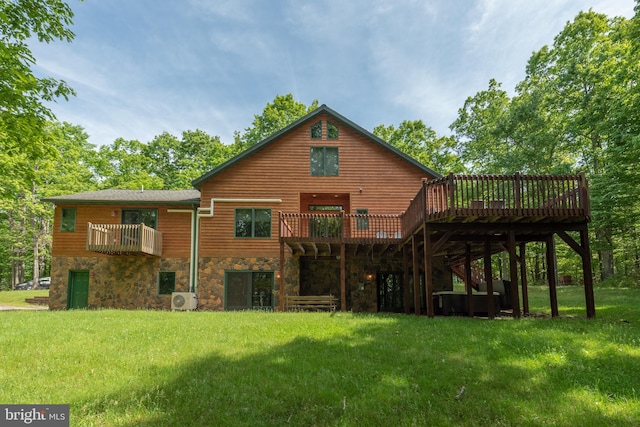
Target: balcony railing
454 197
124 239
349 228
500 196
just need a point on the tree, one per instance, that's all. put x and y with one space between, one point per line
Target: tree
421 142
277 115
480 130
21 92
124 164
179 162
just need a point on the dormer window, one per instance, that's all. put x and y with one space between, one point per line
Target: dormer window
316 131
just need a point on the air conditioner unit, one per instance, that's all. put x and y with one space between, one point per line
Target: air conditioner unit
184 301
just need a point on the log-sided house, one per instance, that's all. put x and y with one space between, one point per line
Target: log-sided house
322 207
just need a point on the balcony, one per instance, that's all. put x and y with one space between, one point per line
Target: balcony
124 239
470 199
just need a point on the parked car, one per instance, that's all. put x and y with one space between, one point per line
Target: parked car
24 286
43 283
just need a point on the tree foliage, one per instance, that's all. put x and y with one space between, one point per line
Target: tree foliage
276 115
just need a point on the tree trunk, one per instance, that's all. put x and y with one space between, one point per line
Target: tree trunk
605 253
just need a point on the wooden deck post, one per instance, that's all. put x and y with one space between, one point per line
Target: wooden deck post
552 275
428 272
343 279
488 278
523 278
406 290
513 274
586 271
468 279
416 275
281 280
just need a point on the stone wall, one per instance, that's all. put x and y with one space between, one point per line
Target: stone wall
212 276
118 282
321 276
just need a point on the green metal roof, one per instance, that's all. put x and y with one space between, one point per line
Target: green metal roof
323 109
131 197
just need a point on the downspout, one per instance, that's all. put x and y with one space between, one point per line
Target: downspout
193 252
208 213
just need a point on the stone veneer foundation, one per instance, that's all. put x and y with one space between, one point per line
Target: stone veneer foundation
118 282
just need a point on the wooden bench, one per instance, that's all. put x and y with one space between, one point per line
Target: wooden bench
310 302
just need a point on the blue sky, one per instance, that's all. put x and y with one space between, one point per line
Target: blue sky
147 66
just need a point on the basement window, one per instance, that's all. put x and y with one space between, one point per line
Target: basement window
166 282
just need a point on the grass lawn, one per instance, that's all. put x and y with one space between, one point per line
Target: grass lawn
17 298
152 368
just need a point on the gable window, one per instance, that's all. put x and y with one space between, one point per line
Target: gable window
316 131
332 131
166 282
138 216
253 222
362 223
68 220
324 161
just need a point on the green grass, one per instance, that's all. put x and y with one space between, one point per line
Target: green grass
152 368
17 298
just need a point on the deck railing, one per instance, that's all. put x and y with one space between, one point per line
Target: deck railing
124 239
454 196
354 228
505 195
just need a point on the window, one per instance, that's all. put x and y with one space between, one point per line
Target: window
68 220
253 222
166 282
332 131
248 290
362 223
137 216
324 161
316 131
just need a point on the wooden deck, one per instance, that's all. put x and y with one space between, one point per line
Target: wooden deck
472 202
124 239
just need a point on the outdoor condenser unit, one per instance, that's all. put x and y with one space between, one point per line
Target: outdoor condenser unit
184 301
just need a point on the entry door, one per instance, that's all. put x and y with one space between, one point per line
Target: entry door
78 292
245 290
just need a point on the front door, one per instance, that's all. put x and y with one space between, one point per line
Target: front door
78 292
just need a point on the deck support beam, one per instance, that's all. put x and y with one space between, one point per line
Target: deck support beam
468 285
428 271
513 274
343 278
523 278
488 278
406 294
281 279
552 275
416 275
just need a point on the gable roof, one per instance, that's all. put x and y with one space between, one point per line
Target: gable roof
323 109
165 197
